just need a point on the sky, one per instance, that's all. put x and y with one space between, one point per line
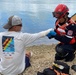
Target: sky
33 5
36 14
33 11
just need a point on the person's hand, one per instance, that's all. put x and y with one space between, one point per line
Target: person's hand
48 32
51 34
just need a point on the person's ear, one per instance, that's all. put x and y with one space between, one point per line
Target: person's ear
14 26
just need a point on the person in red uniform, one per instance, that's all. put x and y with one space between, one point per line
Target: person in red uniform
65 32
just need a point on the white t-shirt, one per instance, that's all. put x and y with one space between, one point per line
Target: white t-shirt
12 50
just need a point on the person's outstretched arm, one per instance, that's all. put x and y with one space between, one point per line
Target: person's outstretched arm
29 38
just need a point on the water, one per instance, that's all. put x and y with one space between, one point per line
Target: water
36 14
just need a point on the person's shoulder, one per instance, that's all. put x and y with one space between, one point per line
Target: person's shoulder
24 34
2 32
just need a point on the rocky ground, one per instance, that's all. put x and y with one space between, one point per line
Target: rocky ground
43 57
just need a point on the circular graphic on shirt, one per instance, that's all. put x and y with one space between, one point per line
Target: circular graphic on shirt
70 32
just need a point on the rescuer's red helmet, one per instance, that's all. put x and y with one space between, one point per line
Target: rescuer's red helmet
60 11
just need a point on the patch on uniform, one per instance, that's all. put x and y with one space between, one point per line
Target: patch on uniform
70 32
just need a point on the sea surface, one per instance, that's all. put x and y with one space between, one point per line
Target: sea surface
36 15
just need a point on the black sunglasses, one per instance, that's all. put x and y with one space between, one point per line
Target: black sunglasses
57 14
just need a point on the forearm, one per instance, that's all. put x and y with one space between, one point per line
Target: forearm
63 39
32 37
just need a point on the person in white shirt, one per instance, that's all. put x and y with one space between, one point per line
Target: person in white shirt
13 44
